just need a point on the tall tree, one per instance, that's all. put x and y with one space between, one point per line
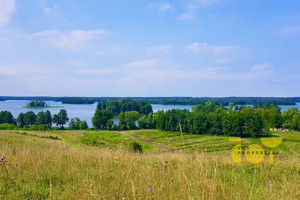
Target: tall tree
131 118
83 125
75 123
101 117
48 118
40 118
29 118
20 120
122 121
61 118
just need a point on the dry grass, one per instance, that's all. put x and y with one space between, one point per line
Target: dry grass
54 169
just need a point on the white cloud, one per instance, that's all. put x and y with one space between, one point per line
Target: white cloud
195 4
192 6
161 75
187 16
160 6
292 30
160 49
165 7
7 8
144 63
54 10
74 40
97 71
12 70
197 48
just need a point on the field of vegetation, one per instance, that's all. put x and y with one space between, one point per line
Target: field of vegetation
65 164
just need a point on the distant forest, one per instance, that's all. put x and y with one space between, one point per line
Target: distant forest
225 101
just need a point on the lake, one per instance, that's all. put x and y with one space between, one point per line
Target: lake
82 111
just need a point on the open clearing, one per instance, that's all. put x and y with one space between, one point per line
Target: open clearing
99 165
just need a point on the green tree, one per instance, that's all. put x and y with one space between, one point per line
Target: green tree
40 118
143 122
295 122
131 118
48 118
122 121
75 123
101 117
150 121
20 120
109 124
160 120
29 118
6 117
288 115
61 118
83 125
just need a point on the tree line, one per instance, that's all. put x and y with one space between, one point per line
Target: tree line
124 105
170 100
207 118
41 121
78 101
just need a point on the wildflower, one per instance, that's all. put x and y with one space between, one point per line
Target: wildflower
3 157
116 159
149 190
267 190
123 198
172 181
4 160
166 162
13 178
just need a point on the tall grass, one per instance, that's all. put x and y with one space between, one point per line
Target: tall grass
54 169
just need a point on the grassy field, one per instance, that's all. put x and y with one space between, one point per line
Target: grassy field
100 165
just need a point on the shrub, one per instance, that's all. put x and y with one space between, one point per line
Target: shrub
136 147
7 126
41 127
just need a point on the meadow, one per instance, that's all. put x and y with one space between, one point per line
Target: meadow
100 165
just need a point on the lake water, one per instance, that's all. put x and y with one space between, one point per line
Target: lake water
82 111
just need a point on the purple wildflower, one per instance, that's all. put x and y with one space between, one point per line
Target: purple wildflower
4 160
13 178
149 190
3 157
166 162
267 190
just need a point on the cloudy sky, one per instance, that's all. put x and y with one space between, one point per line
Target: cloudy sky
150 48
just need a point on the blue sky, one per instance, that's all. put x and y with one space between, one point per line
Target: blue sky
150 48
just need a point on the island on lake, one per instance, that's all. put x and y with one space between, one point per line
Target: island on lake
39 104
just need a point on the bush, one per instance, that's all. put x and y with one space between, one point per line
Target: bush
136 147
7 126
42 127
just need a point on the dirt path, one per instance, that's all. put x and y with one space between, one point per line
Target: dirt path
150 141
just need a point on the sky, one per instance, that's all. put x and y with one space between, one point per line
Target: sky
198 48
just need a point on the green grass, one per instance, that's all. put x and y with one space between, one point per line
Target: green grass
99 165
111 139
